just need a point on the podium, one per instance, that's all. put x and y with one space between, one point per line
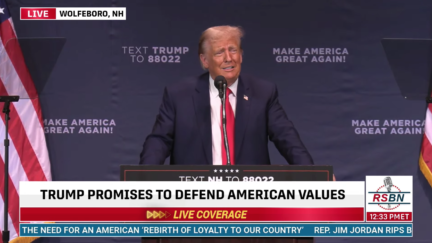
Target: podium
240 173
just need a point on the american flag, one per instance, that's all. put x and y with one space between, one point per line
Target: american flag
28 154
425 160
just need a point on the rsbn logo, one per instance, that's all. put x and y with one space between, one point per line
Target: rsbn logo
388 196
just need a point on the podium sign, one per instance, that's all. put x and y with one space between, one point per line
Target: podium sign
241 173
226 173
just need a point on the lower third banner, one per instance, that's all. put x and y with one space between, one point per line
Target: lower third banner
217 230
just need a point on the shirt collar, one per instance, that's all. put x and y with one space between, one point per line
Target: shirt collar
215 93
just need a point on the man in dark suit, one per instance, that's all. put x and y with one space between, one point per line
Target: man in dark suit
188 126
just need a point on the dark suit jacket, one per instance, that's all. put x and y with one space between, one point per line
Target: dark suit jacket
183 126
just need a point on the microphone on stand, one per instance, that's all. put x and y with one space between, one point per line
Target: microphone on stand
388 185
221 84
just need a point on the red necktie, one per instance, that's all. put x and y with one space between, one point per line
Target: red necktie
230 121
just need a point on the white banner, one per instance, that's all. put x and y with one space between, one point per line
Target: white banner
191 194
91 13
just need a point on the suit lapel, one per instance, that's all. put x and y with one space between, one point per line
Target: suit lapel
242 114
201 100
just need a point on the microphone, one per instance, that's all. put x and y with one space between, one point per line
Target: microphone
221 84
388 185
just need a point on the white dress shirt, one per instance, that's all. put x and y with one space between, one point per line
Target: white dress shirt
215 103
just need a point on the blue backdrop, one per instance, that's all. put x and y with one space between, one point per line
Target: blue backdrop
114 70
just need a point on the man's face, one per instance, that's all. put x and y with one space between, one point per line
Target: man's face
223 57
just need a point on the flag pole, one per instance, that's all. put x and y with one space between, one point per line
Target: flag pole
7 100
